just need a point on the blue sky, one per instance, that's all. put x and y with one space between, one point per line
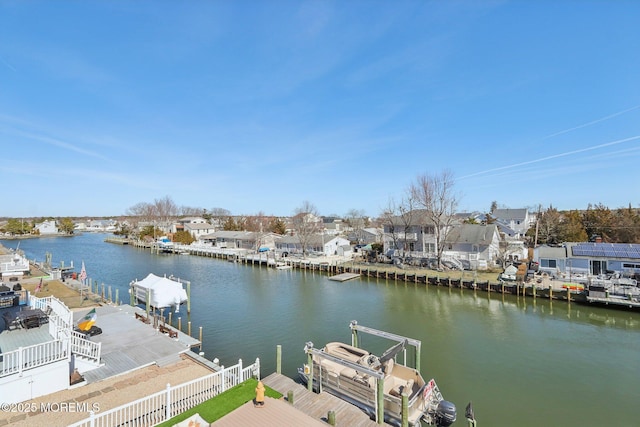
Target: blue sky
257 106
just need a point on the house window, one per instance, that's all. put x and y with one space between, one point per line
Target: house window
549 263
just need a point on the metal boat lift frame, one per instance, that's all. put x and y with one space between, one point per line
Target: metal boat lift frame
379 376
399 338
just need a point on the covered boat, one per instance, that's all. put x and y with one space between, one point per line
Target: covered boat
377 384
164 292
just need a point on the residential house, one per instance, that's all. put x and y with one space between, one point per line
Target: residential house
366 236
333 226
47 227
247 240
179 225
410 234
589 259
102 225
321 244
519 220
476 246
198 230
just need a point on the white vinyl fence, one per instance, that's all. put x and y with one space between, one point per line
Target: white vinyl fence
164 405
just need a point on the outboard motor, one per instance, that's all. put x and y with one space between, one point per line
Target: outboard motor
445 413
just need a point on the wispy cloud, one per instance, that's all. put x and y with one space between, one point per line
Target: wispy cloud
602 119
554 156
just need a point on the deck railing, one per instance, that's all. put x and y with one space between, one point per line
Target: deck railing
24 358
63 342
164 405
85 348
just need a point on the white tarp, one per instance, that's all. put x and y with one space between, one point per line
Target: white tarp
164 292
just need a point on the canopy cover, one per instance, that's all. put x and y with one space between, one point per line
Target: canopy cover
164 292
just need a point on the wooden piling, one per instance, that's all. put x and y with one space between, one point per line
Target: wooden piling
148 305
405 409
278 359
189 298
331 418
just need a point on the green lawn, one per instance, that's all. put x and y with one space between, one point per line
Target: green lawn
219 406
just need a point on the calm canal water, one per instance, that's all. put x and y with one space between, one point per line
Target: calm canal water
521 362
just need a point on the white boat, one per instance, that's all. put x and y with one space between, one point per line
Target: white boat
357 376
163 291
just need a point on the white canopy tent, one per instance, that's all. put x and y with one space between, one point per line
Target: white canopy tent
164 292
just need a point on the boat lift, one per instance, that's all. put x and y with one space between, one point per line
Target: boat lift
378 375
398 338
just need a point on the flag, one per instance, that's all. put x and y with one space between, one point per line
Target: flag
83 274
38 287
88 320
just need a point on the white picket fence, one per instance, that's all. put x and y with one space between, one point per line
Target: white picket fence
164 405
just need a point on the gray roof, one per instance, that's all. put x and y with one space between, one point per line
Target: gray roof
510 214
473 233
198 226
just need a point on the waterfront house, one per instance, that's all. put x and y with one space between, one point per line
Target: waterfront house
197 229
102 226
248 240
476 245
411 234
589 259
47 227
319 244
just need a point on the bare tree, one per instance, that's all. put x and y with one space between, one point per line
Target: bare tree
166 211
356 219
219 216
306 224
140 212
436 194
190 211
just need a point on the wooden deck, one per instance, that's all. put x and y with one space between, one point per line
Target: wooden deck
317 406
274 413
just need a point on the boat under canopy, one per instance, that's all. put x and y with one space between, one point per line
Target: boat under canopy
163 291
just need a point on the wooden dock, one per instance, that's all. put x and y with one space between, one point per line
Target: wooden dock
317 406
343 277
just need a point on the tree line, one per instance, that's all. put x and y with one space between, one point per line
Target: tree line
620 225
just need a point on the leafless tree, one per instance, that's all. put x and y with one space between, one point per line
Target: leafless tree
166 211
190 211
140 212
306 224
357 220
219 216
436 195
